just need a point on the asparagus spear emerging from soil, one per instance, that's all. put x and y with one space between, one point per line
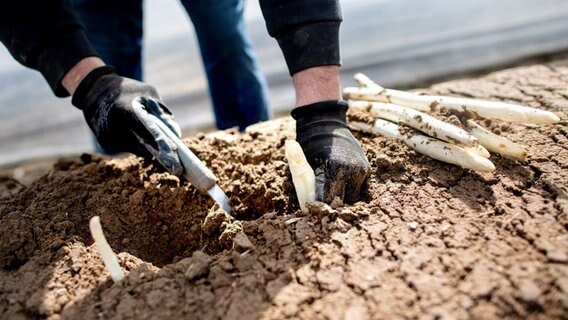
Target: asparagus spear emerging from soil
109 259
303 175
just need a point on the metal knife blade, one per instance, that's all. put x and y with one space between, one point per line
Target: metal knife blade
195 170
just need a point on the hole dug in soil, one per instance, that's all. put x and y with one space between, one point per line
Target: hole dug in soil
146 212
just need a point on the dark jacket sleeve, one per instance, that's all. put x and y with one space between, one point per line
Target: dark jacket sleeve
44 35
306 30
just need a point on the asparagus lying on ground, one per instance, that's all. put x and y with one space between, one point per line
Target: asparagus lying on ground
487 109
109 259
431 147
420 121
468 148
496 143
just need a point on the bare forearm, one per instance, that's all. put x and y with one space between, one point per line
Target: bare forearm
317 84
72 78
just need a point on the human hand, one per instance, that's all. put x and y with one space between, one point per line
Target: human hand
466 144
338 161
120 125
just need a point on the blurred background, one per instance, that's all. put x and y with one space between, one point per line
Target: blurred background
399 43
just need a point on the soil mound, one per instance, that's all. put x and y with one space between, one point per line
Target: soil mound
428 240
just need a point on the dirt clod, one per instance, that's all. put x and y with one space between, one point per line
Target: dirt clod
198 265
242 243
215 221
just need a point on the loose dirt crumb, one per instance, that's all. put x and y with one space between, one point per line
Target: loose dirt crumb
242 243
230 231
220 224
215 220
198 265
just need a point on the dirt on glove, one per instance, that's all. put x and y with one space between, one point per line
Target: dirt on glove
429 240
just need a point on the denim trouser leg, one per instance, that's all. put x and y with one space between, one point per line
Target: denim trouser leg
115 30
236 85
237 88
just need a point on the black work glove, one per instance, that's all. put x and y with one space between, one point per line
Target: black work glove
339 163
117 110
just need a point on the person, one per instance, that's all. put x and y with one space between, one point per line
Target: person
237 87
48 37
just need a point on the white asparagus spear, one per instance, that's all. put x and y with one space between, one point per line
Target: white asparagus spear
487 109
303 175
420 121
497 143
431 147
479 150
366 82
371 91
109 259
383 95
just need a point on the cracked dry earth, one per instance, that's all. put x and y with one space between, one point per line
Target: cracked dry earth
428 240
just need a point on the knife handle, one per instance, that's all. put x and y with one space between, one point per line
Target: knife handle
194 169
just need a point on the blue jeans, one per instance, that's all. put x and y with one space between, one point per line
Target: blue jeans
236 85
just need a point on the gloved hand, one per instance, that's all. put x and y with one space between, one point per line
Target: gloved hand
117 110
338 161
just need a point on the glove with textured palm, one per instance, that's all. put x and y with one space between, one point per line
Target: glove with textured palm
118 112
339 163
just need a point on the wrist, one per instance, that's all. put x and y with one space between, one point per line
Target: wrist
75 75
317 84
323 109
319 118
82 91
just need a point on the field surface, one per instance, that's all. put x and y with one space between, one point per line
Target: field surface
428 240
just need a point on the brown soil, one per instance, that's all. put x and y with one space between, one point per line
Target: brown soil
429 240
